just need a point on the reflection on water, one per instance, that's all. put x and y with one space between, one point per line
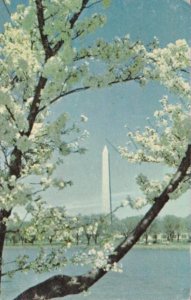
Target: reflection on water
148 275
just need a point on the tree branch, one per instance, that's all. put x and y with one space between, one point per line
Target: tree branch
6 7
49 52
92 4
66 94
84 88
62 285
72 21
34 110
76 16
10 113
12 231
41 24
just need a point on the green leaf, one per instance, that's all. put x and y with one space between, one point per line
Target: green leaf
106 3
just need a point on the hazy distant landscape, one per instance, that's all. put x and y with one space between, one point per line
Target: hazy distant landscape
94 229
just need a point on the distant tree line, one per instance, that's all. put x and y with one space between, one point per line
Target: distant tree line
96 229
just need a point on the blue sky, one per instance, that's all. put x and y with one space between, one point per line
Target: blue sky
108 110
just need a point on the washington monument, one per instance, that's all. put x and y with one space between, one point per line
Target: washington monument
106 184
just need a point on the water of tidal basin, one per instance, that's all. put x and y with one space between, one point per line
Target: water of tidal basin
148 275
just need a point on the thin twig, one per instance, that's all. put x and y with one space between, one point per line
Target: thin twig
6 7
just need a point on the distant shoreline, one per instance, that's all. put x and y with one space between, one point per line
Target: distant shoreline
170 246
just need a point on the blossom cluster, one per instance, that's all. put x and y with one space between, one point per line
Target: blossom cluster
165 143
98 258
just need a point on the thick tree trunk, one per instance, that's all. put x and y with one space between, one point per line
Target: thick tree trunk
155 239
88 237
3 214
95 239
171 237
62 285
178 237
2 240
146 238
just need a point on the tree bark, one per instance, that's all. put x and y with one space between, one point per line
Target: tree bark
146 238
2 240
3 214
62 285
178 237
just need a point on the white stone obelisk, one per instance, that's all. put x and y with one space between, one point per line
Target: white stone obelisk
106 186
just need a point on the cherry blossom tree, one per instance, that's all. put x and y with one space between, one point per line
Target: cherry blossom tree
40 66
